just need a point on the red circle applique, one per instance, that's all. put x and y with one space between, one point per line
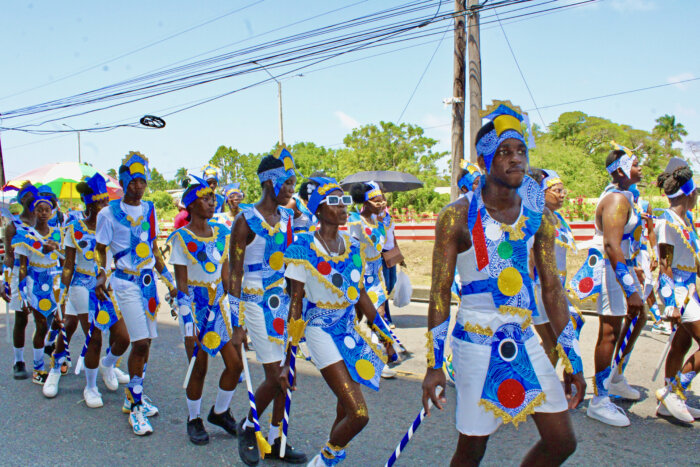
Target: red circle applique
36 245
586 284
78 235
556 233
278 325
152 305
324 268
368 231
511 393
686 234
192 247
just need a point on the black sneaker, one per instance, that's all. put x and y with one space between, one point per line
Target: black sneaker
20 371
225 420
195 430
247 444
48 349
39 376
291 455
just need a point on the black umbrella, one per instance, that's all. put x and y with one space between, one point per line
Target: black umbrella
389 180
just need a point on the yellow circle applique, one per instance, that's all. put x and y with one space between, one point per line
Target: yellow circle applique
142 250
365 369
211 340
45 304
373 296
209 267
89 255
277 260
53 255
288 163
102 317
352 293
137 168
510 281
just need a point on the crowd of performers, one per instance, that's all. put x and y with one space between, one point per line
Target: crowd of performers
286 270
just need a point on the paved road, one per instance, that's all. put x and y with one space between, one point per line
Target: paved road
63 431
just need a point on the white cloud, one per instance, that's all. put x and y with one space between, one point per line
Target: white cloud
633 5
680 77
346 120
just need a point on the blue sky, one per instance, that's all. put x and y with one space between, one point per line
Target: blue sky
581 52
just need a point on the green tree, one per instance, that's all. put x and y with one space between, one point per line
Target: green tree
180 175
669 131
157 182
241 168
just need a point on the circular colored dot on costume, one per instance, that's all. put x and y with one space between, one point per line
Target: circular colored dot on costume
220 246
142 250
89 255
370 279
56 236
191 247
53 255
273 302
592 261
209 267
45 287
145 226
373 238
147 279
665 291
324 268
686 234
82 244
507 349
36 245
505 250
45 304
355 275
202 256
337 280
365 369
277 260
349 342
510 281
493 232
352 293
373 296
102 317
278 325
357 260
638 233
78 235
368 231
211 340
511 393
586 284
152 305
627 279
279 238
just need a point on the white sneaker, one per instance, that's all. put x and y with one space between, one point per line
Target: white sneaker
673 404
388 373
316 462
122 378
93 398
109 378
624 390
139 422
607 412
150 410
50 388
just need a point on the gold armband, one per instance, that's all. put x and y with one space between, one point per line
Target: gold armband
295 329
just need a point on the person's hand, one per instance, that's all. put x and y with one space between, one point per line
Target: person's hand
579 384
403 264
100 288
284 379
433 379
50 246
635 306
654 264
675 316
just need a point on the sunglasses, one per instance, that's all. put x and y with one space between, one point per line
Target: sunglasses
333 200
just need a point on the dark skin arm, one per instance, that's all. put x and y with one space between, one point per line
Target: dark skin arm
451 238
665 262
101 259
241 236
652 237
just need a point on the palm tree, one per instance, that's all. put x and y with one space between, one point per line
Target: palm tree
669 131
112 173
180 175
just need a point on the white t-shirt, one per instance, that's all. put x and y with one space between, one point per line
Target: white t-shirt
683 254
116 236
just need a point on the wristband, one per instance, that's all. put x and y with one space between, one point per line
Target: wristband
235 310
568 350
436 345
625 278
295 330
379 326
666 290
167 277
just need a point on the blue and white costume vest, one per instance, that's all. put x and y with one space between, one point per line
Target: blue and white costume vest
307 221
206 258
372 239
687 254
498 302
142 233
272 298
220 202
342 275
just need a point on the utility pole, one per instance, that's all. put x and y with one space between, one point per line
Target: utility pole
474 51
279 98
2 168
80 160
458 85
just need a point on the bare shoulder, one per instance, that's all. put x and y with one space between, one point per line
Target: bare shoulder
455 213
548 223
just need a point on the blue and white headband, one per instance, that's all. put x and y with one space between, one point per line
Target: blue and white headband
687 189
198 188
473 173
41 199
279 175
98 185
29 188
211 171
232 189
625 162
507 121
373 192
550 179
318 189
136 167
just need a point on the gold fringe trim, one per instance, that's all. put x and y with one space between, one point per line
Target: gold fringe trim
685 268
314 272
564 359
333 259
514 310
225 316
376 348
516 231
332 306
475 328
520 417
195 283
577 302
252 291
525 324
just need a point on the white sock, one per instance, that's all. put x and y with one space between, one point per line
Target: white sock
19 354
248 424
91 377
109 360
273 434
38 354
193 408
223 400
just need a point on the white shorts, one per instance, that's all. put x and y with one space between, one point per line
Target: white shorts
78 301
323 350
612 300
645 264
14 290
471 361
542 318
692 309
138 324
266 351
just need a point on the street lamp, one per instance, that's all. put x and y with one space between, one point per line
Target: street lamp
78 133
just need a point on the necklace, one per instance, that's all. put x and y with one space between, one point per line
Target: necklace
325 245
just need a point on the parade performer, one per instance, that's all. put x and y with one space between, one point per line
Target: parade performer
77 296
57 217
304 219
129 228
38 252
212 174
618 230
554 196
469 177
679 252
324 269
502 373
10 292
200 257
258 299
233 195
